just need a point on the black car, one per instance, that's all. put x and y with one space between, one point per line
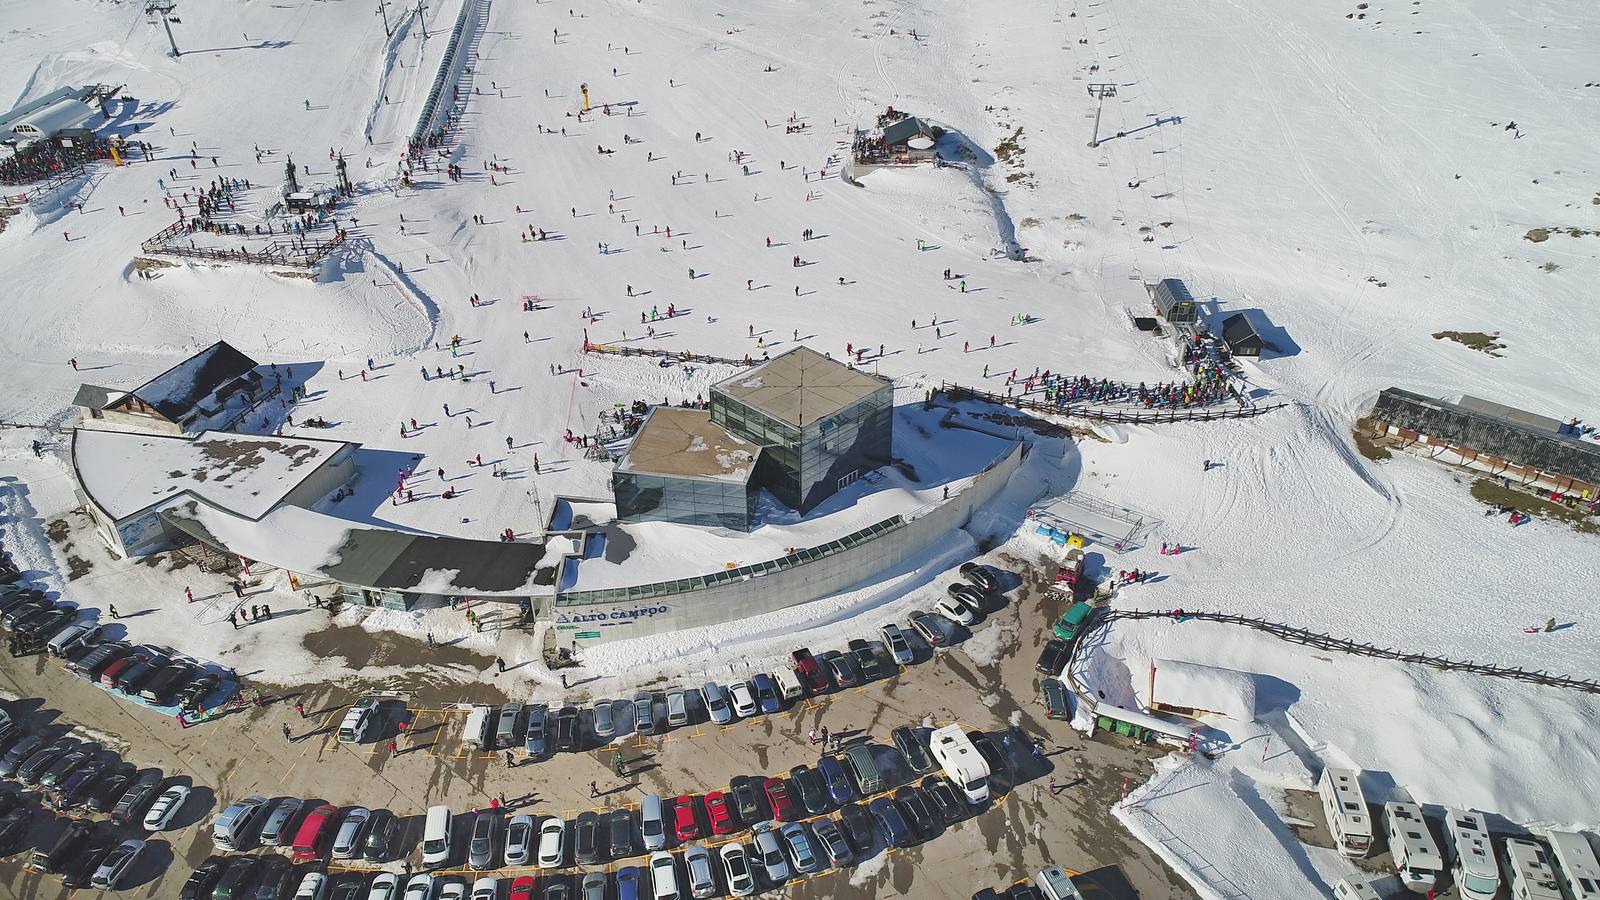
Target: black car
556 887
26 608
913 749
619 833
987 893
63 767
75 789
808 789
79 870
349 890
235 879
586 838
1053 658
858 827
18 754
980 577
990 748
197 690
275 880
866 658
68 845
943 798
379 844
969 597
34 768
567 728
917 812
890 823
747 803
14 829
47 625
202 878
165 684
1023 891
109 789
1053 694
136 797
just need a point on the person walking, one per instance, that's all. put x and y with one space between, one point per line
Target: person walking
594 790
510 763
300 709
287 734
189 592
111 608
393 748
500 664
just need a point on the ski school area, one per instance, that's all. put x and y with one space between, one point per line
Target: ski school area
663 337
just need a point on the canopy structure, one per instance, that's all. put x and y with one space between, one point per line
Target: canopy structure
1193 689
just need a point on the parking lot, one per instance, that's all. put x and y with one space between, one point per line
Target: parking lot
406 770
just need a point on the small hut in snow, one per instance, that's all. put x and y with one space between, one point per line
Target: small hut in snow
1191 689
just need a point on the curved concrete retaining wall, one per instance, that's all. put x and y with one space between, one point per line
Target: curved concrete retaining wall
588 624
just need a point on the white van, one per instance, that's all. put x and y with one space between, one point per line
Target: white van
1411 844
1346 809
1532 875
73 636
436 837
651 823
1353 888
789 684
478 733
1473 868
230 829
1052 881
1579 870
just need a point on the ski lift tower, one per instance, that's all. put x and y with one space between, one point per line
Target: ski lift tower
163 9
1099 91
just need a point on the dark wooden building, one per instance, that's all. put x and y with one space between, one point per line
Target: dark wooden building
1240 336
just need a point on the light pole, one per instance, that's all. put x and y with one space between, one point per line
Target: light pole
1099 91
383 10
163 8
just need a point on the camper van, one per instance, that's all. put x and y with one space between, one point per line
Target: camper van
478 733
963 764
1346 809
1353 888
1579 870
1472 865
1053 883
1533 877
1416 853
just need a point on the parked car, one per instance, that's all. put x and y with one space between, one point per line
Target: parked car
619 833
314 886
811 672
387 887
686 818
866 659
943 798
79 872
133 800
114 868
808 788
715 697
769 853
166 808
664 875
65 765
1053 658
678 714
778 799
505 729
567 728
842 668
840 788
746 791
767 693
14 829
798 842
917 812
347 840
833 842
629 883
68 845
202 879
486 888
420 887
34 767
720 816
644 713
19 753
382 830
358 721
930 628
858 826
278 829
899 647
1053 694
480 846
1073 621
980 577
552 843
109 788
519 841
913 749
956 611
743 699
195 692
736 869
891 825
605 720
74 790
586 838
533 733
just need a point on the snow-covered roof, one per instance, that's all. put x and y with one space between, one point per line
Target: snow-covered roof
92 396
905 129
40 109
125 472
1212 689
685 443
800 387
176 391
309 542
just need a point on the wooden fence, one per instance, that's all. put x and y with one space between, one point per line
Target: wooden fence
298 253
957 392
678 355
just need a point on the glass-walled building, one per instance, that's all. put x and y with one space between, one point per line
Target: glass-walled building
682 467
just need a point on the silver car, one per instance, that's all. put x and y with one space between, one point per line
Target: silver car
697 866
480 848
899 647
644 713
805 855
717 704
605 720
116 864
533 737
347 842
594 886
769 852
519 841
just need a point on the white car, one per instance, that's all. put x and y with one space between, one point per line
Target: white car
166 807
312 887
453 890
900 648
384 887
956 611
744 699
552 842
736 866
486 889
663 875
116 864
519 841
420 887
697 866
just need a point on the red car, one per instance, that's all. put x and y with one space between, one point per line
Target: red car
721 817
686 817
811 671
778 798
522 888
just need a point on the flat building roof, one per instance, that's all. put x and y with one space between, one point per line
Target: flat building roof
801 386
685 443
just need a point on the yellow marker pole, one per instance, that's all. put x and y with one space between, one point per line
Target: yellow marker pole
584 88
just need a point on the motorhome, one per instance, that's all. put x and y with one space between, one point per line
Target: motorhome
1411 844
1472 864
963 764
1533 876
1346 809
1352 888
1579 871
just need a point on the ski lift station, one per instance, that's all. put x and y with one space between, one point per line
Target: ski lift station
61 114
